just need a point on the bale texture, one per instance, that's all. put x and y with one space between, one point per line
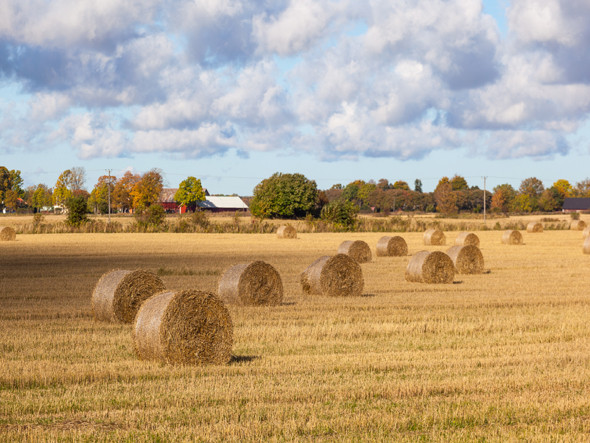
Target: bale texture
335 276
287 231
118 294
256 283
467 238
586 232
357 249
586 247
7 233
430 267
392 247
512 238
578 225
534 227
434 237
184 327
467 259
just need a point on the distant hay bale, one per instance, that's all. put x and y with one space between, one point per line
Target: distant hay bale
434 237
578 225
357 249
7 233
467 238
467 259
586 232
430 267
392 247
335 276
586 247
534 227
119 294
287 231
511 237
255 283
184 327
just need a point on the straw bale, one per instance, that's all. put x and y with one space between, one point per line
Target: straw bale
255 283
430 267
336 276
512 237
287 231
392 247
357 249
534 227
184 327
578 225
586 247
7 233
119 293
467 238
434 237
467 259
586 232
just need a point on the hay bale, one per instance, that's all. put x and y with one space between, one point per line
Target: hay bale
430 267
7 233
392 247
434 237
534 227
118 294
511 237
586 247
184 327
467 238
467 259
578 225
357 249
335 276
287 231
255 283
586 232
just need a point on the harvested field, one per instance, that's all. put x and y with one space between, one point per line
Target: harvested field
503 356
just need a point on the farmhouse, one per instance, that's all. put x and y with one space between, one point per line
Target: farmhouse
211 203
576 204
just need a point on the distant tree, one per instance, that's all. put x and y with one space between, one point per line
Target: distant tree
524 203
99 197
583 188
11 199
564 188
532 187
418 185
458 183
284 196
351 190
551 199
10 180
152 217
341 213
146 191
190 192
40 197
446 199
77 178
77 207
503 198
383 184
400 184
122 198
62 191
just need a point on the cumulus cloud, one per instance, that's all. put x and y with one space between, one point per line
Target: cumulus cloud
342 80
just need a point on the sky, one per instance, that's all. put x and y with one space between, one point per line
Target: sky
232 91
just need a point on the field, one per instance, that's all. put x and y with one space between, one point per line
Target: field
503 355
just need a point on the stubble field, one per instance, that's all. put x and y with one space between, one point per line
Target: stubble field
503 355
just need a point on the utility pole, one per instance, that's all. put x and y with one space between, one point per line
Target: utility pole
109 190
484 200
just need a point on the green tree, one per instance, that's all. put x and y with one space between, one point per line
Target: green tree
146 191
62 191
523 203
418 185
503 198
551 199
153 217
532 186
190 192
77 207
42 196
400 184
284 196
341 213
458 183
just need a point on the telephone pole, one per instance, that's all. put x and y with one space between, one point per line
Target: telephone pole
109 190
484 200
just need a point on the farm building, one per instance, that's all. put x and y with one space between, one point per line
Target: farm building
169 204
576 204
212 203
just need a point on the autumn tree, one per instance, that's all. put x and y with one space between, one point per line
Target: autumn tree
40 197
532 188
146 191
551 199
190 192
400 184
122 198
99 197
583 188
10 187
564 188
502 198
62 190
458 183
446 199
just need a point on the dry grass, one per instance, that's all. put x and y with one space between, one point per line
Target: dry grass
499 356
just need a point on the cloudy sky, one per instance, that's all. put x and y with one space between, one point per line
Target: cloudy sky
231 91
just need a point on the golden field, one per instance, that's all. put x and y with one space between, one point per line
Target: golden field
503 355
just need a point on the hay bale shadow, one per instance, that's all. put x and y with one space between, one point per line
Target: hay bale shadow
237 359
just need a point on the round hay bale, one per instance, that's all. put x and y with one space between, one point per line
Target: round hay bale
7 233
534 227
430 267
511 237
184 327
118 294
467 238
392 247
467 259
255 283
578 225
357 249
287 231
586 247
586 232
335 276
434 237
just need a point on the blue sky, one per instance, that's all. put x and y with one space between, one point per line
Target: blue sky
231 91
